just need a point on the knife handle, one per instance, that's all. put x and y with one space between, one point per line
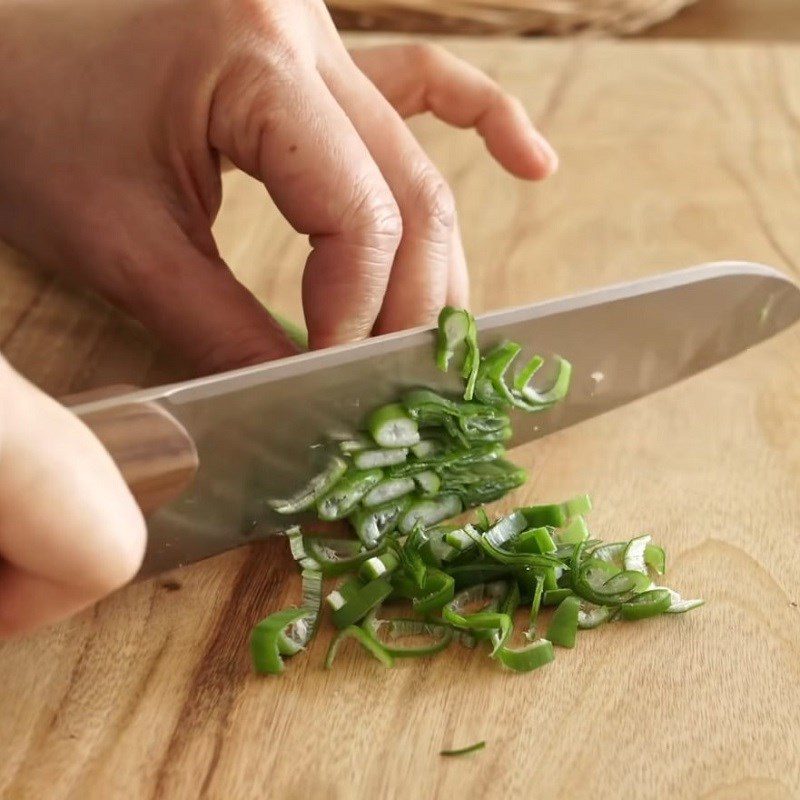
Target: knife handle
153 451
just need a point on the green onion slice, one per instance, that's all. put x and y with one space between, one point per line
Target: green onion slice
454 324
358 605
391 426
391 632
387 490
342 499
429 512
647 604
264 640
564 625
678 605
462 751
576 531
368 642
373 524
591 616
633 556
527 658
437 590
339 556
655 558
379 565
386 457
313 490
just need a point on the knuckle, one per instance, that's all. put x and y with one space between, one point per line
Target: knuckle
433 202
425 55
374 218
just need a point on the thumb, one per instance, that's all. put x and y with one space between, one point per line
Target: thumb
192 302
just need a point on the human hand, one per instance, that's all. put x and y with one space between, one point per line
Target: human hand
113 118
70 531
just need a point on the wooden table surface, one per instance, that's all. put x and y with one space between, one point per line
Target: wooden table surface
672 154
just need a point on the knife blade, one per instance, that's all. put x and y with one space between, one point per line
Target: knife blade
257 431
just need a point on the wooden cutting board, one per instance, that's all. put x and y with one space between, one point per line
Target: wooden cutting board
672 155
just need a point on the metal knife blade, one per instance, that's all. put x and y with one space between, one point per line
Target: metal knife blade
257 430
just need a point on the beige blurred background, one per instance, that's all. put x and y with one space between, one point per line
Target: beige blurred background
712 19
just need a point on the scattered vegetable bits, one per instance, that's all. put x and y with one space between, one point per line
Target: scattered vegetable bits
420 462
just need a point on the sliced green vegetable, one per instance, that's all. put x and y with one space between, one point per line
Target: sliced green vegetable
647 604
564 625
368 642
264 640
429 512
437 590
552 597
678 605
591 616
428 482
388 490
633 556
342 499
655 558
338 556
576 531
373 524
361 602
313 490
391 426
378 566
526 658
462 751
386 457
438 634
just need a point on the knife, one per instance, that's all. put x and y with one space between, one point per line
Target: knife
204 456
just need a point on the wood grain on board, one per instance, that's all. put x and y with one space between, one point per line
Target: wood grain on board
672 154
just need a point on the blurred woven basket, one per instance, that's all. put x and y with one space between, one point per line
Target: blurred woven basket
505 16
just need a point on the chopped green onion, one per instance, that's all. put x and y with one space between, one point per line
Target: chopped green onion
463 750
428 482
535 540
439 635
345 495
353 444
678 605
646 604
313 490
655 558
427 459
576 531
453 330
633 556
264 640
552 597
506 529
369 643
387 490
438 590
564 625
338 556
373 524
591 616
378 566
361 602
429 512
386 457
391 426
527 658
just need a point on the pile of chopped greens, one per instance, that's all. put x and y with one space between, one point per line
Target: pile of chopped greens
424 460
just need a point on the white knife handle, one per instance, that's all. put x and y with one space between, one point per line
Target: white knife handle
153 451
